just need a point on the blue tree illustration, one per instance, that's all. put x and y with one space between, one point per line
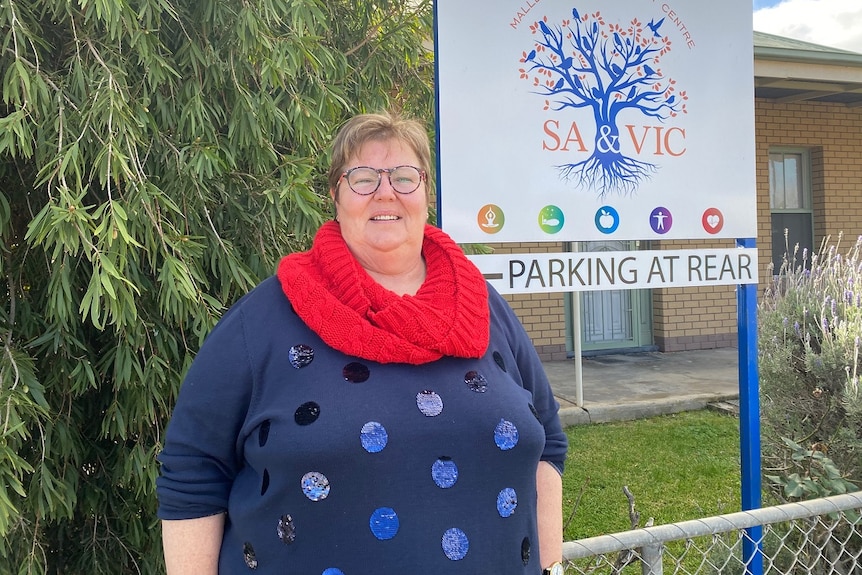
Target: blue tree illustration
586 63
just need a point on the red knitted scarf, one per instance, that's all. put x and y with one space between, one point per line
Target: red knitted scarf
351 312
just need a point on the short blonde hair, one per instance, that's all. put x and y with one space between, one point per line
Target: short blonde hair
380 127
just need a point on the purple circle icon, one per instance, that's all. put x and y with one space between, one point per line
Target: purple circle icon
661 220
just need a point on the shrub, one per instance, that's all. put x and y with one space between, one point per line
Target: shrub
810 327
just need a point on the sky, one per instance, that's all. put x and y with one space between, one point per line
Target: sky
835 23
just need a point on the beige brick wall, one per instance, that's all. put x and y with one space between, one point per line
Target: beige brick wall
705 317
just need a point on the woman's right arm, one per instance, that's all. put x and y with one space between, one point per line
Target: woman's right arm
192 545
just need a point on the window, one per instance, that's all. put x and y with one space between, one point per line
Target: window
790 205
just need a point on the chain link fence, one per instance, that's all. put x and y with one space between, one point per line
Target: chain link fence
820 536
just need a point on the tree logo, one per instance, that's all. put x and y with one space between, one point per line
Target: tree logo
584 62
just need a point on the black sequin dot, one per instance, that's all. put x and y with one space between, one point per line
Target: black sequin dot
476 381
263 433
307 413
525 550
286 529
249 556
356 372
264 485
499 359
300 356
534 412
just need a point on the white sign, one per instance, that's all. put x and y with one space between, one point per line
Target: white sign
579 120
593 271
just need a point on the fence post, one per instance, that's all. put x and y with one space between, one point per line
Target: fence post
651 563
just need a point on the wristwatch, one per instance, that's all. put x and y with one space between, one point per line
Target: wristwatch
554 569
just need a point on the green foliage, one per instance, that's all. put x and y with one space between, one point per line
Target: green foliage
157 158
810 329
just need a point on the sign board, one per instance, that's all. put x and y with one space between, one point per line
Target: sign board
583 120
592 271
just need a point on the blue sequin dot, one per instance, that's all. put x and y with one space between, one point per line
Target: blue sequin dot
315 486
507 500
332 571
373 437
506 435
300 356
384 523
476 381
455 544
429 403
445 472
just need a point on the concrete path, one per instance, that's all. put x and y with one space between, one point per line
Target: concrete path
633 386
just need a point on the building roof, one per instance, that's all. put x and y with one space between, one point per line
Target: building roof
788 70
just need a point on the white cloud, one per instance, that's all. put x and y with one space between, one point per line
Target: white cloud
835 23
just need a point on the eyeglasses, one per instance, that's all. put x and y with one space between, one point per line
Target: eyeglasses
365 181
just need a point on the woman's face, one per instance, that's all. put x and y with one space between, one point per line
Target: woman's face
385 221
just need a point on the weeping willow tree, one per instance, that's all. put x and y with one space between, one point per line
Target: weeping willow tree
157 157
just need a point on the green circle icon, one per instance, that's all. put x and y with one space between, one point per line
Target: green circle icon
551 219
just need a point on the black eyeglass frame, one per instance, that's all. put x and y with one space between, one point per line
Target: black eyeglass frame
423 177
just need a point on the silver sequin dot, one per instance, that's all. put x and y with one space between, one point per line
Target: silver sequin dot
373 437
455 544
429 403
476 381
444 472
506 435
286 529
384 523
300 356
315 486
249 556
356 372
507 500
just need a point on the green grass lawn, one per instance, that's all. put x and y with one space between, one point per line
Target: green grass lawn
678 467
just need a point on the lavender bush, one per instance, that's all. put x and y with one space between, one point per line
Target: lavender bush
809 336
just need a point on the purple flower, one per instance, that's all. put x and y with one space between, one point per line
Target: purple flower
825 323
796 328
848 297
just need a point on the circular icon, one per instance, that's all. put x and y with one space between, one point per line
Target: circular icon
661 220
490 218
607 220
712 220
551 219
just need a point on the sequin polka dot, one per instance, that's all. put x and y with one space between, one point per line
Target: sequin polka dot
384 523
315 486
498 359
506 435
286 529
263 433
373 437
300 356
455 544
476 381
249 556
332 571
356 372
429 403
444 472
534 412
264 484
307 413
507 500
525 550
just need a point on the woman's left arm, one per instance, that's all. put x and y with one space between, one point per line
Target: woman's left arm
549 487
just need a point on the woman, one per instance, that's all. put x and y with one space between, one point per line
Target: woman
370 409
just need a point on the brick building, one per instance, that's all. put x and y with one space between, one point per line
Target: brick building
808 132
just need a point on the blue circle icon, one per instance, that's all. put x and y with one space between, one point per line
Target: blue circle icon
661 220
607 220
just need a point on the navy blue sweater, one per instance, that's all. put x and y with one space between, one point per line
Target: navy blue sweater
330 464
